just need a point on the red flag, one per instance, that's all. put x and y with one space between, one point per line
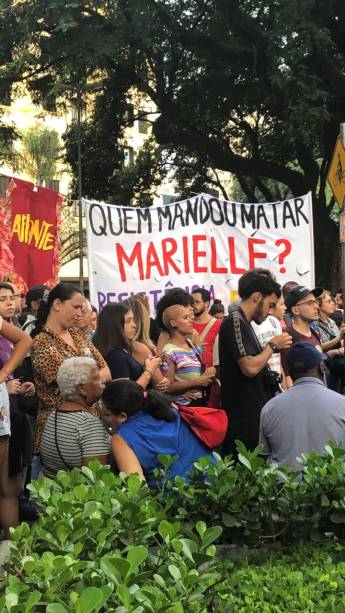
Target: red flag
35 219
6 255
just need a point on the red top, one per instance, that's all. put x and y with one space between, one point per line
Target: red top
208 342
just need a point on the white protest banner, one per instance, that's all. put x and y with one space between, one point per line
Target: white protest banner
199 242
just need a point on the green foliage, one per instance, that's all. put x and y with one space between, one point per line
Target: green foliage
40 153
308 579
257 503
136 183
106 542
252 88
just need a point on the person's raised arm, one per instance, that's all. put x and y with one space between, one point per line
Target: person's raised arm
22 343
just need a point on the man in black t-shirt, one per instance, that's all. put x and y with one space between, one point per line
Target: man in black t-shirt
247 382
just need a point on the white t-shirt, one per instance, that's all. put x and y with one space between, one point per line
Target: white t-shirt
5 423
265 332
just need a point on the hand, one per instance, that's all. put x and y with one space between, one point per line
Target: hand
151 364
13 386
27 389
282 341
206 379
162 385
210 371
191 395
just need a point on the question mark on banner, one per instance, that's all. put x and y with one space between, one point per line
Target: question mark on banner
284 253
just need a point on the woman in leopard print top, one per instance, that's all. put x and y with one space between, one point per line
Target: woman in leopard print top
55 339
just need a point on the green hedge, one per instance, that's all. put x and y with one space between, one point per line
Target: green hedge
105 542
309 579
256 502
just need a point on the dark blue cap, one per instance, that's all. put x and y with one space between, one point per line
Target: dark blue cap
298 293
303 357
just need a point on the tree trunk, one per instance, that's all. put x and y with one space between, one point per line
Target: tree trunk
326 246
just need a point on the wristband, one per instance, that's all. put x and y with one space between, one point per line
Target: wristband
149 373
273 347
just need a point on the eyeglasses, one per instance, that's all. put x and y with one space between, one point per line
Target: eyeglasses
308 302
328 301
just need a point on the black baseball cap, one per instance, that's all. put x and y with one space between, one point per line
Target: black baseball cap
303 357
35 293
300 292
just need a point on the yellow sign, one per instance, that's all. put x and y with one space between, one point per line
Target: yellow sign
336 173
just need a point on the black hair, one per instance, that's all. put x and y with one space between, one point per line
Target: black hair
63 292
128 397
110 332
176 295
288 287
217 307
252 282
5 285
94 309
205 294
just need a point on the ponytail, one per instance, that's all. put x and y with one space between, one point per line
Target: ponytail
126 396
41 319
158 406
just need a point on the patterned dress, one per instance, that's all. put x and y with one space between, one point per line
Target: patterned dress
48 352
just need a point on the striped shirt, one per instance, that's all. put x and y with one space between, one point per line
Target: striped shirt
187 365
78 435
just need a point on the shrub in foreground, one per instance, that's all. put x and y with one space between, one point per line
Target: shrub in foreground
105 542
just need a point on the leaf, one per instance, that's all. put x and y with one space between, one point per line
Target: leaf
81 492
62 530
174 571
244 461
337 518
159 579
165 529
189 547
56 607
88 473
135 556
115 568
134 484
32 600
201 527
211 535
124 595
90 600
230 521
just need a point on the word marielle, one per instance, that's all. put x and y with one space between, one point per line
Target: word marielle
196 254
105 220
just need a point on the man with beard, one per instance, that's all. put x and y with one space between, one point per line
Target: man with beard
206 326
246 380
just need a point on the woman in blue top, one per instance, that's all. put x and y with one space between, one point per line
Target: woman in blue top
144 426
114 339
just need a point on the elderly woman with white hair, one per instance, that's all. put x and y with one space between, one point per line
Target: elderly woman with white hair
72 436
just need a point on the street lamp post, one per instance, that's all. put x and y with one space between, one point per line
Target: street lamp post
80 194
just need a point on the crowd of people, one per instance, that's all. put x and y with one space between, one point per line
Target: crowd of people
76 384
